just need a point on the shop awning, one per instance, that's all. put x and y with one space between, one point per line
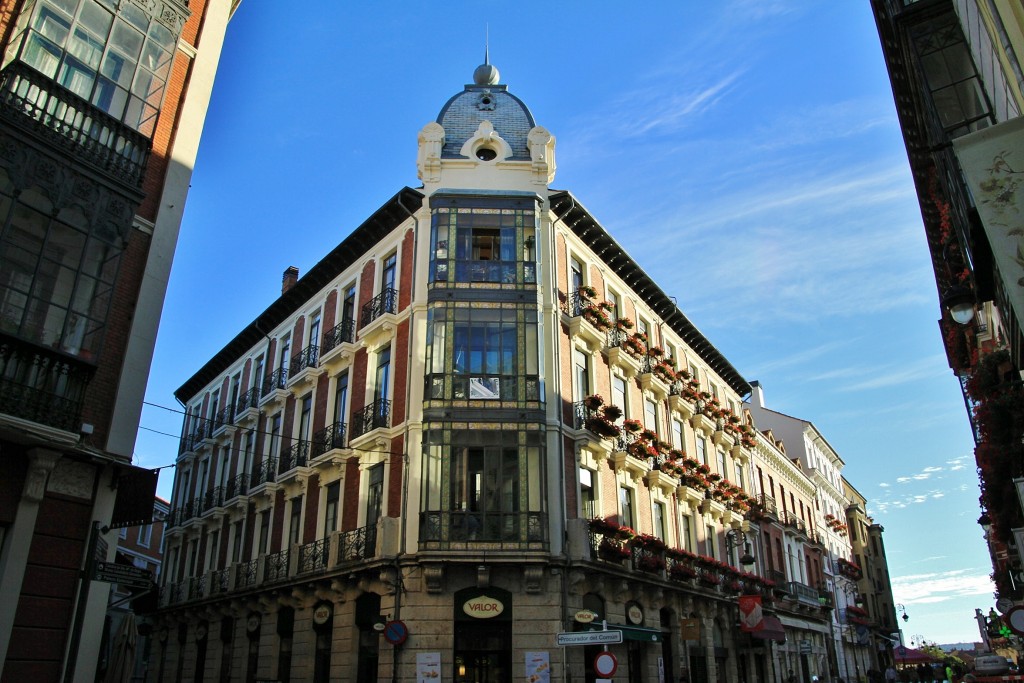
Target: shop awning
771 629
646 635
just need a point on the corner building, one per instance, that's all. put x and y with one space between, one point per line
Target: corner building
474 425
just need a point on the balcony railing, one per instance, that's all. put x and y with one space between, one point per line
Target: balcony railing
214 498
307 358
33 102
385 302
246 575
297 455
314 556
278 379
219 582
803 593
276 567
196 587
250 399
237 486
374 416
358 544
342 333
29 374
266 473
767 505
508 528
575 303
327 439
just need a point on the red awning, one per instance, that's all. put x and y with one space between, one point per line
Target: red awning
771 629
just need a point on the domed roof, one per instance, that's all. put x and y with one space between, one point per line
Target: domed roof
485 99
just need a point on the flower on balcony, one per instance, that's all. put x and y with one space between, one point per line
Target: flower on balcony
655 352
710 578
587 291
612 550
664 371
623 324
649 542
642 449
632 426
670 468
603 526
681 572
649 435
596 315
680 554
593 402
635 345
650 563
694 481
733 586
602 426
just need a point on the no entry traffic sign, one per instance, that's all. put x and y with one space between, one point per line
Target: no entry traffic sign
395 632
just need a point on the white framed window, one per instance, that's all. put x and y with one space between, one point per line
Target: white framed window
650 415
627 511
677 434
588 493
619 396
145 535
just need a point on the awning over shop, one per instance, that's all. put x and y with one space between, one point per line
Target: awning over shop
771 629
646 635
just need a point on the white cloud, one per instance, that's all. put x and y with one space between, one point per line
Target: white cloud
940 586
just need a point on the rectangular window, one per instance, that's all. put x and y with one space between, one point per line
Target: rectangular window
295 522
619 396
588 502
274 442
658 519
581 385
575 275
651 415
305 417
626 504
702 450
314 330
341 398
331 508
494 241
375 494
677 434
264 543
283 357
388 273
348 304
710 538
382 384
212 550
145 535
738 478
257 373
722 468
236 546
686 533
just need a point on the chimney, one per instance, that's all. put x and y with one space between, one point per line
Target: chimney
290 277
756 394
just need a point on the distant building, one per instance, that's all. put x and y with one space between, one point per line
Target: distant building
142 547
101 106
958 83
863 607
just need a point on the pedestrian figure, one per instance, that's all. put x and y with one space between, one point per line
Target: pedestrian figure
890 674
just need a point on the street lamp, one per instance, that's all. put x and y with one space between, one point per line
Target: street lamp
903 612
735 538
960 302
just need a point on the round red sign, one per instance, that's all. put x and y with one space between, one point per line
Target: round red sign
605 664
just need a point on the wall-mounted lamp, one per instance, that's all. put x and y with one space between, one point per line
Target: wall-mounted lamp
734 538
960 302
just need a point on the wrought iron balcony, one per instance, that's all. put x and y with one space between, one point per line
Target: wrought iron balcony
214 498
385 302
196 587
358 544
314 556
37 104
28 375
307 358
767 505
575 303
250 399
297 455
246 574
238 486
266 473
276 567
219 582
327 439
802 593
510 529
342 333
278 379
375 415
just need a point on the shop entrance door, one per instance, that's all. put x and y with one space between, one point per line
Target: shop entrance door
483 652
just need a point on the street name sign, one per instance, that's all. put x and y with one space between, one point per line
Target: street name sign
589 638
123 574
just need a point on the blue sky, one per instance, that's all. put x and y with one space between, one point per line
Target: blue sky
745 152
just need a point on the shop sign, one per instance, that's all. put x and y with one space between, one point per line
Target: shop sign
483 607
585 616
635 614
322 613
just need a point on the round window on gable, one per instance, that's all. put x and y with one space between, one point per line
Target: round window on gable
486 154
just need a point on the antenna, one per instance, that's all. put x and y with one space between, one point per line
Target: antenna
487 43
